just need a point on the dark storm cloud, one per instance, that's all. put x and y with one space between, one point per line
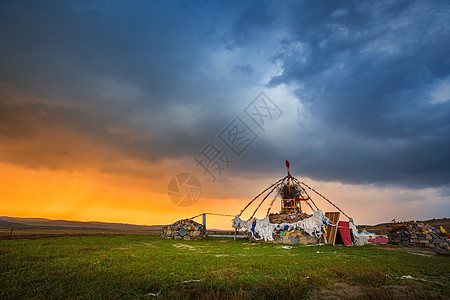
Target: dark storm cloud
366 72
150 80
254 19
63 49
130 78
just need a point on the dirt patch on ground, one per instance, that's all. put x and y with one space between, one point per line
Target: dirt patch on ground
184 246
340 290
417 250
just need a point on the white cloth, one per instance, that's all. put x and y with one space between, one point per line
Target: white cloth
265 230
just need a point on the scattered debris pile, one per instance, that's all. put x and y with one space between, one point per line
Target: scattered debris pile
419 234
283 235
185 229
294 237
287 218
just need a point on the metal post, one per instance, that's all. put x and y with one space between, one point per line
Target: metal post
204 221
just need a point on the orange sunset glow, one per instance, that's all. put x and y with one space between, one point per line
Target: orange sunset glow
100 109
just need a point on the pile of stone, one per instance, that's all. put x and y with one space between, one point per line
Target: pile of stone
185 229
295 237
419 234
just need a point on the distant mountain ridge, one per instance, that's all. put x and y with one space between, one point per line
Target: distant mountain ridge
385 227
9 222
22 223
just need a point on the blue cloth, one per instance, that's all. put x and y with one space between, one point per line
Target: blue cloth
253 228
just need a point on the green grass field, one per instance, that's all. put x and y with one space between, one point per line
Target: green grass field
135 266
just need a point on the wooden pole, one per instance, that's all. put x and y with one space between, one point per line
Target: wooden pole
204 221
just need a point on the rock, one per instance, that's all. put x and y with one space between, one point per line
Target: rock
306 239
294 239
184 229
286 240
417 234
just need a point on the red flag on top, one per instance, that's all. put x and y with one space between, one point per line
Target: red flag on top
288 166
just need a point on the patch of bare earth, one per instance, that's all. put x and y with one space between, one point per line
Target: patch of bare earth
416 250
184 246
340 290
343 290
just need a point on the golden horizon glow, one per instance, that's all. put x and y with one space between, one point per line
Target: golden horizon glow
73 196
95 196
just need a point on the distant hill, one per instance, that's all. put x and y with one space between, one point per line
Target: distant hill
9 222
384 227
41 223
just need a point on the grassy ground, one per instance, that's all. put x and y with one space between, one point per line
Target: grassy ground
135 266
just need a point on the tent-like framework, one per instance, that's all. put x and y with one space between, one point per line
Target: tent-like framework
294 194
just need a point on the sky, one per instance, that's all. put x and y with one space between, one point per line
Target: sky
102 104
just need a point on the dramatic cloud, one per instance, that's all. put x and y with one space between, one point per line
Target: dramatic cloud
371 79
129 89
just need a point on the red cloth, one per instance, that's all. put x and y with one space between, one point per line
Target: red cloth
344 230
379 240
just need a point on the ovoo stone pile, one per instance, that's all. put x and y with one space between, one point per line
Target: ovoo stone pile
419 234
185 229
296 236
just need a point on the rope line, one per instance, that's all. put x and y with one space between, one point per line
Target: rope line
214 214
260 195
271 204
265 197
325 199
298 182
